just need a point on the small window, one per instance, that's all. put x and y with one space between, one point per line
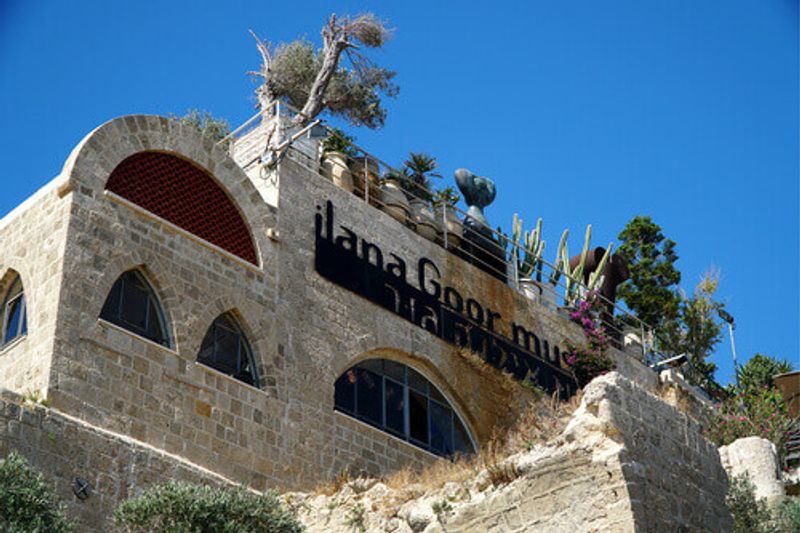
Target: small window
225 348
399 400
14 313
132 304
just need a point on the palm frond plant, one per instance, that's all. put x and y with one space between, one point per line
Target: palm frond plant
420 167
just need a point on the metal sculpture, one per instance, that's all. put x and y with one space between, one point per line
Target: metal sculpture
614 272
480 247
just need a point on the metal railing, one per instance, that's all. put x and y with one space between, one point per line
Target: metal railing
369 171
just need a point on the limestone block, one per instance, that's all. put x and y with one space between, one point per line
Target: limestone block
758 458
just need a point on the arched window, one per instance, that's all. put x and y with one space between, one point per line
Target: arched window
132 304
186 196
399 400
14 313
225 348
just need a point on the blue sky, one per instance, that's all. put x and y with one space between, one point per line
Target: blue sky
582 112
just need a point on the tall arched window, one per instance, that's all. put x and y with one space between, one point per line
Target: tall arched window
132 304
225 348
397 399
13 315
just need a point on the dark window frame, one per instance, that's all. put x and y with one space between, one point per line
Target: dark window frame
15 293
152 304
410 384
244 357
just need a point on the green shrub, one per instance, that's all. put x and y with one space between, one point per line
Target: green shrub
181 507
27 503
750 515
787 516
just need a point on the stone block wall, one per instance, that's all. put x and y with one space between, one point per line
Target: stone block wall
32 240
116 466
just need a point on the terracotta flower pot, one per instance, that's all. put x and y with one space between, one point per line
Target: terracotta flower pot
447 219
365 172
393 200
423 219
334 167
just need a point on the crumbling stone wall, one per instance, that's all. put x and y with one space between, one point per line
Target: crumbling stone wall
626 462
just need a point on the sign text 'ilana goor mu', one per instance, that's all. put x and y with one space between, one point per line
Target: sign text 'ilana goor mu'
361 266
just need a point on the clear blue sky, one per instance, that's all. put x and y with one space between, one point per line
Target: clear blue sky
582 112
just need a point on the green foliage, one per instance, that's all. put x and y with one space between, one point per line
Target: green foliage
355 517
181 507
446 196
752 413
209 126
651 291
357 86
416 176
27 503
759 370
589 360
750 515
339 141
698 331
532 244
787 516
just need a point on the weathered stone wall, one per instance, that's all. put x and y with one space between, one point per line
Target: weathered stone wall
116 466
32 239
626 462
304 330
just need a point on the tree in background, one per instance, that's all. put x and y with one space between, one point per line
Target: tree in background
27 503
338 78
651 292
698 331
210 127
758 372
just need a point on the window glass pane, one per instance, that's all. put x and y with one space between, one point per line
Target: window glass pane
395 410
24 328
370 406
373 365
110 310
416 381
418 416
436 395
14 311
462 443
394 370
134 306
441 428
206 354
345 395
226 351
154 329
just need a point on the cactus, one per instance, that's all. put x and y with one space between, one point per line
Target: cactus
573 277
596 278
555 275
533 247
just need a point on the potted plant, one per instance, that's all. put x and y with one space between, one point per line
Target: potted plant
529 266
444 201
419 169
337 150
366 171
393 200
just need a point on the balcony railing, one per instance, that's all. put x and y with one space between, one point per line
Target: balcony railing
557 289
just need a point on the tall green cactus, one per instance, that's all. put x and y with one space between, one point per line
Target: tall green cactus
532 246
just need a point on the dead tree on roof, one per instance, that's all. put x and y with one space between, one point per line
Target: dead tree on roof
338 79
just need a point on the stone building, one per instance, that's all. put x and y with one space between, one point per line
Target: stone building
185 314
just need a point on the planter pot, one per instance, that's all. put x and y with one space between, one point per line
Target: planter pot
423 220
361 168
531 289
393 201
334 167
450 222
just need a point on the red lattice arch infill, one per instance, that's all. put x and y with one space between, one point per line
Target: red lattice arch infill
185 195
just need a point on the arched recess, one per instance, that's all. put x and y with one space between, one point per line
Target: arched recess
399 400
13 310
225 348
133 304
185 195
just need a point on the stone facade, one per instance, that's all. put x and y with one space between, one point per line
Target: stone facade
73 240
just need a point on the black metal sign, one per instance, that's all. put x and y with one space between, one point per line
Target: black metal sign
344 258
